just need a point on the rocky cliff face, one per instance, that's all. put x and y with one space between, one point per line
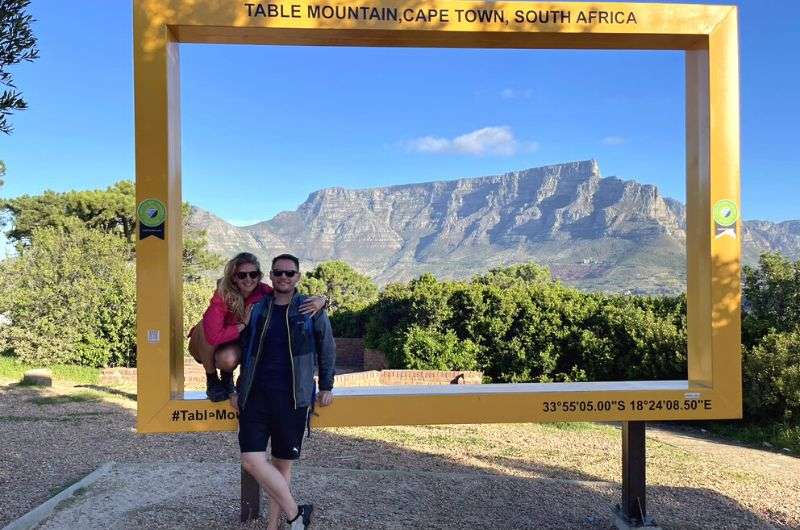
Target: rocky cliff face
593 232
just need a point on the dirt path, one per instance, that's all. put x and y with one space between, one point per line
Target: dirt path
461 476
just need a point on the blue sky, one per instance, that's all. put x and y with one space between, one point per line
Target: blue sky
265 126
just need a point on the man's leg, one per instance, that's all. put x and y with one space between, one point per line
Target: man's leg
285 468
272 480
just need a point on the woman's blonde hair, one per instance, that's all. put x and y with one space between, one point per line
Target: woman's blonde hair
227 287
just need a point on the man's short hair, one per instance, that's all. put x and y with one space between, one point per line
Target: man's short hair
286 256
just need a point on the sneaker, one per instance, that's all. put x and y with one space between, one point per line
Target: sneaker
303 519
215 391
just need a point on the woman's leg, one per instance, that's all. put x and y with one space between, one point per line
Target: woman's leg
203 352
200 349
227 358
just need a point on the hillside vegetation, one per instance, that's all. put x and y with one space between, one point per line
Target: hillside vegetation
69 298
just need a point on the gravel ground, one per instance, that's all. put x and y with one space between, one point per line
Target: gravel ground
462 476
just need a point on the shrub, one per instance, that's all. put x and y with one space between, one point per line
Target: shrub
771 297
196 296
70 298
772 377
425 349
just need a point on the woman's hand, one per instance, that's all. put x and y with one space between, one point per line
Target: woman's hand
313 304
247 312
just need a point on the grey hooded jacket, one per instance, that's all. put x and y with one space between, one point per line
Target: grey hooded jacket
311 345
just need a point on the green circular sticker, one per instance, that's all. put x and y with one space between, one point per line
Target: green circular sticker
151 212
725 212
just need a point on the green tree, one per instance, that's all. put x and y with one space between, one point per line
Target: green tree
2 172
111 211
771 297
70 298
772 377
346 287
350 294
425 349
17 44
519 325
95 228
525 273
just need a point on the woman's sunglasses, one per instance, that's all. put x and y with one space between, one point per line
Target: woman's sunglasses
253 275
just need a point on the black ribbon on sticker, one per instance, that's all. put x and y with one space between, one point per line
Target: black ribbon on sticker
147 231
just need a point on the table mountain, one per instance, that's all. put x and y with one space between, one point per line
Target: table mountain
593 232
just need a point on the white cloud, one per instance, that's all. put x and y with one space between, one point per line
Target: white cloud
613 140
498 140
516 93
429 144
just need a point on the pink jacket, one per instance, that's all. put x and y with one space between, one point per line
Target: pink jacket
220 324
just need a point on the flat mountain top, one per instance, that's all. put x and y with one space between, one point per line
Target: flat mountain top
594 232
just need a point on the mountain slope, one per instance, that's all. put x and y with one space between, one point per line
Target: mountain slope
593 232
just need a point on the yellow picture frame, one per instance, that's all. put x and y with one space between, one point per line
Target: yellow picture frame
708 35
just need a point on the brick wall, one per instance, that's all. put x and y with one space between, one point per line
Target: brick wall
408 377
370 378
194 375
374 360
368 368
430 377
117 376
350 352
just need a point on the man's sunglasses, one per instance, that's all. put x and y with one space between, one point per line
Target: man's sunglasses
279 273
253 275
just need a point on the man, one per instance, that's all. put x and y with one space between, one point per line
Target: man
280 350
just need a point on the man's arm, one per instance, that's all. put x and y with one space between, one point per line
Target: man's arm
326 350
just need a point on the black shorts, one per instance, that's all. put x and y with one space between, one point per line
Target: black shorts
271 416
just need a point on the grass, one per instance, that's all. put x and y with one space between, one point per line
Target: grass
570 426
12 369
79 397
778 435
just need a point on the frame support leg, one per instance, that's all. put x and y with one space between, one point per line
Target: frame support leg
251 497
632 513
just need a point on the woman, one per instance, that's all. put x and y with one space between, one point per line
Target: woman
214 342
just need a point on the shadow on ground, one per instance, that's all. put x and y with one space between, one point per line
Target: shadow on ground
192 480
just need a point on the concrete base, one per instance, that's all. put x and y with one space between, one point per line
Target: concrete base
38 377
622 524
35 517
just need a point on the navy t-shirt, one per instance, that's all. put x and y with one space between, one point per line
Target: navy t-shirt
274 371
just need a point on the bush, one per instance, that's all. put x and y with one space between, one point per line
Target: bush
347 288
425 349
772 378
522 326
771 297
70 298
350 323
196 296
